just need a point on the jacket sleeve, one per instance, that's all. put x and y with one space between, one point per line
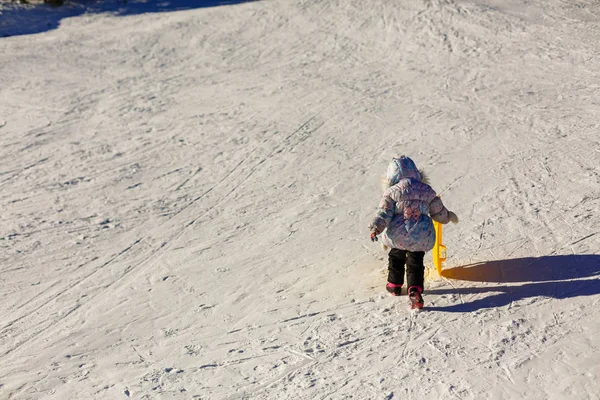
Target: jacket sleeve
438 211
384 215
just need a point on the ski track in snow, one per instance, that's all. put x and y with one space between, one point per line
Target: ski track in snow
184 199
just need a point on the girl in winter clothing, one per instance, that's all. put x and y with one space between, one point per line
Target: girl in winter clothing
407 208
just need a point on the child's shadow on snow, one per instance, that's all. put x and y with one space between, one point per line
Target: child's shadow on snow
557 277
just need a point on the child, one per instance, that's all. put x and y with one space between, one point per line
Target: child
406 210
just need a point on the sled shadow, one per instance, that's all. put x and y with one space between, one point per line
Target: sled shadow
557 277
17 19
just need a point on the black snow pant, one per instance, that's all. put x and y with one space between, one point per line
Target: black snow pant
415 270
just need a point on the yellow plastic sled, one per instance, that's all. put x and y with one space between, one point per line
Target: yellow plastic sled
439 250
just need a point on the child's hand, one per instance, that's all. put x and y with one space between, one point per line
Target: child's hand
373 237
452 217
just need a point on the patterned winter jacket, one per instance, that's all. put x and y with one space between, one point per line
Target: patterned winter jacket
407 209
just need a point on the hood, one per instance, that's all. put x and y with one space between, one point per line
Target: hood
401 168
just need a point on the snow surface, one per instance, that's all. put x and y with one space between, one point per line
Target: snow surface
186 189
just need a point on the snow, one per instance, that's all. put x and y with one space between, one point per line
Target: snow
186 189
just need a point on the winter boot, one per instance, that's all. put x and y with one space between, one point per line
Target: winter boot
393 289
416 300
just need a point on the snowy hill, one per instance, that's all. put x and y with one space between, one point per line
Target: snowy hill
186 189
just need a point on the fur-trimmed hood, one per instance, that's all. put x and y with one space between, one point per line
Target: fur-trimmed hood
401 168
